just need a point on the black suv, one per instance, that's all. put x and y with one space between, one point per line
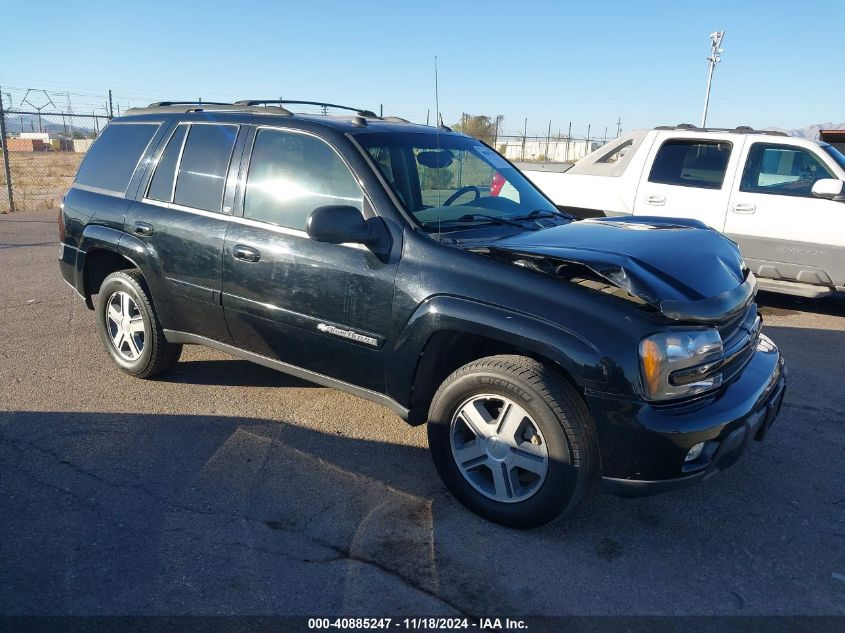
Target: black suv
418 268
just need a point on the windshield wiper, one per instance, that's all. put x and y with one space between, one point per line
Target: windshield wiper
544 213
469 217
474 217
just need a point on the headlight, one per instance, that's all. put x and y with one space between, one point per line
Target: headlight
680 363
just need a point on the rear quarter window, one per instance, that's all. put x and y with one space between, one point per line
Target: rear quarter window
112 159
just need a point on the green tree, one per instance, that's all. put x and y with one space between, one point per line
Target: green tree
479 126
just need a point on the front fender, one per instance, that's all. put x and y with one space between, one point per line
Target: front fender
577 356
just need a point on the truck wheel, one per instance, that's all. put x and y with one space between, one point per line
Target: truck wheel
129 327
512 441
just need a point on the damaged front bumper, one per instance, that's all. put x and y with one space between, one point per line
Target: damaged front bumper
643 446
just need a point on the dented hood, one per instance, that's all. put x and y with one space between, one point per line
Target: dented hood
681 267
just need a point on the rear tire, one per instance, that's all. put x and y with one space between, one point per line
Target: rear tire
512 440
129 327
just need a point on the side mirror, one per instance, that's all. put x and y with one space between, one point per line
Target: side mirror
830 188
337 224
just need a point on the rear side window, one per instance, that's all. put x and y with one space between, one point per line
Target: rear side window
205 161
617 154
161 187
112 159
691 163
292 174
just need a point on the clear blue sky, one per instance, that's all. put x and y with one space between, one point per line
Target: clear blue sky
585 62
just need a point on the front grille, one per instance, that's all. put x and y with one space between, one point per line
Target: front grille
739 340
728 328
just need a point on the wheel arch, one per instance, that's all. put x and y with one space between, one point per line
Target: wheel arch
446 333
104 250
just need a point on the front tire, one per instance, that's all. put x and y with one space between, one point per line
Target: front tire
512 440
129 327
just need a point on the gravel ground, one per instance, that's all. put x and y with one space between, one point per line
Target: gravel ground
226 488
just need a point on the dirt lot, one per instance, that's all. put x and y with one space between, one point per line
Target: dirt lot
39 179
226 488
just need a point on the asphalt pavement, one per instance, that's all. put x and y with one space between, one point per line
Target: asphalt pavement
226 488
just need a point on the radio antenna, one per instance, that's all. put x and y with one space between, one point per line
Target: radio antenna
436 94
438 121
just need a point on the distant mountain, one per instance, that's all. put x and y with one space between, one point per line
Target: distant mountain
811 131
82 127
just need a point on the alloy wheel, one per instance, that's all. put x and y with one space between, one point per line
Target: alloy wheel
498 448
126 325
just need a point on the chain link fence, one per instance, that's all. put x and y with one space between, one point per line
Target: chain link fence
546 149
41 153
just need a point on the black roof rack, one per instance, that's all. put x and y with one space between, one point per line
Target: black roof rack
160 104
739 129
358 111
252 105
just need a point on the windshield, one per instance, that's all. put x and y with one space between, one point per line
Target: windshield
835 154
449 182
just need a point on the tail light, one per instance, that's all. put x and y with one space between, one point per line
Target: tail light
61 220
496 184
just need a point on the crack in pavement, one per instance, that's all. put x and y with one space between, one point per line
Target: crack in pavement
339 553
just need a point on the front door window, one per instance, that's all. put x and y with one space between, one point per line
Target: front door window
782 169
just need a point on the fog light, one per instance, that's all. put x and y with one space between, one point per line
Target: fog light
694 453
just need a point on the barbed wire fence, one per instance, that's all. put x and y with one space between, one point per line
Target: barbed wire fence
43 145
559 147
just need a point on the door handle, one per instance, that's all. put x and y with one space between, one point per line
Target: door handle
246 253
143 228
657 201
741 207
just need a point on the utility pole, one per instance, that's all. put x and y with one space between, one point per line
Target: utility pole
716 51
524 132
5 147
499 118
618 127
70 114
39 109
381 110
548 136
111 110
568 138
427 115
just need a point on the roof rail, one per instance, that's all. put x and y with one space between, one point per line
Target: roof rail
159 104
739 129
358 111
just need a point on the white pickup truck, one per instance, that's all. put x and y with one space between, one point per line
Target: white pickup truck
781 198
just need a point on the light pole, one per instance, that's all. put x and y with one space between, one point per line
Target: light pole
716 51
